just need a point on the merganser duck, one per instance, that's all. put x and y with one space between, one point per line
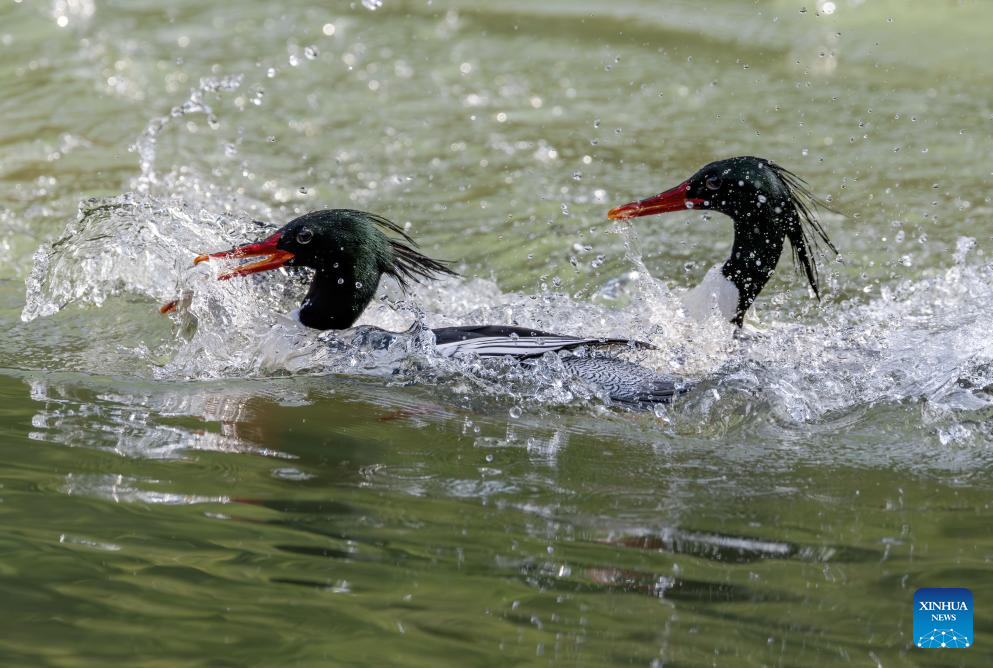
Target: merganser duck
768 204
350 251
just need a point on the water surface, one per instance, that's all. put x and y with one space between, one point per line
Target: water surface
224 488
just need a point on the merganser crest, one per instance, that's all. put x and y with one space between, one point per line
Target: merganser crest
943 618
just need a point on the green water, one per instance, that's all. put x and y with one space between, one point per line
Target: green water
781 514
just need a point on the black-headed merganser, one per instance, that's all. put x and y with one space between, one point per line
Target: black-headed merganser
350 251
768 205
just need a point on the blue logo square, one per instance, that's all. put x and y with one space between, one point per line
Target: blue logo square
943 618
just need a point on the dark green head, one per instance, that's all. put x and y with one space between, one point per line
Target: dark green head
348 250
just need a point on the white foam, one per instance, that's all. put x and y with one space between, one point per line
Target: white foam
924 340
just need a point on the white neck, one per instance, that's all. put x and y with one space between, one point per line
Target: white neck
715 296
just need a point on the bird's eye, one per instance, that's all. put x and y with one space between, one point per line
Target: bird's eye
305 236
713 183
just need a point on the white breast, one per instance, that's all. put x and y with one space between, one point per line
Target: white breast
715 296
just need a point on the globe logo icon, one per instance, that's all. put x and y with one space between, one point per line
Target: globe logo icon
943 638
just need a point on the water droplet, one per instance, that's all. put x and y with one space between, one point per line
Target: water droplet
962 247
311 52
328 29
358 284
271 72
577 175
516 412
372 5
762 199
294 60
341 281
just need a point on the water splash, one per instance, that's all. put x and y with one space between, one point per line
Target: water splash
130 243
851 356
146 143
920 341
848 358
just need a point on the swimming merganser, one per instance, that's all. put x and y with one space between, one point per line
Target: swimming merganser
350 251
768 204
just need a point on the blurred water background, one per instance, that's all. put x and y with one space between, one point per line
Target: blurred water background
227 489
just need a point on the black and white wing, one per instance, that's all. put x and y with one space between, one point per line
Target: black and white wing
520 342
